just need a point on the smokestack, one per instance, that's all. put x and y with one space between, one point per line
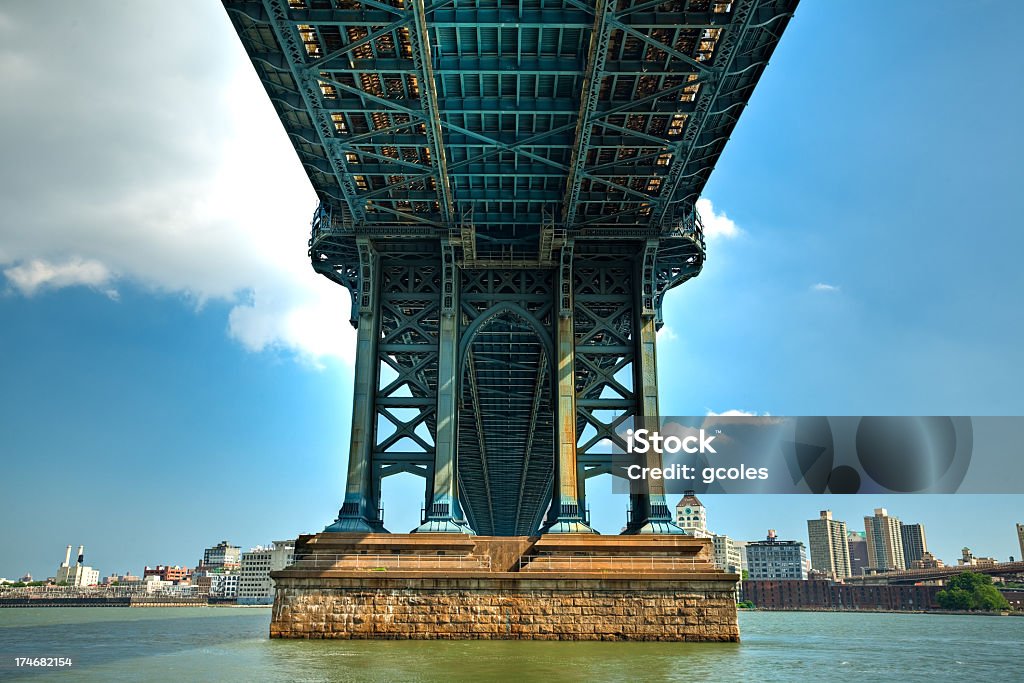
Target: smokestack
67 557
81 555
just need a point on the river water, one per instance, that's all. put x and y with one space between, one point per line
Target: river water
231 644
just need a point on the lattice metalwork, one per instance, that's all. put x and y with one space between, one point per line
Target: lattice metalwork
507 189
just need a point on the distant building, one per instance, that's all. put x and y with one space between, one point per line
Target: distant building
830 553
27 578
78 574
885 541
173 574
255 585
1020 539
914 543
967 559
927 561
775 559
224 584
691 516
727 554
858 547
223 555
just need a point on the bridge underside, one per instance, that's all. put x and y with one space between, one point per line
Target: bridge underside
507 190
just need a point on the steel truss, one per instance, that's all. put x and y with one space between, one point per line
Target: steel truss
507 189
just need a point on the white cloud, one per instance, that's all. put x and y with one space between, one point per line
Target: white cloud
668 334
716 224
823 287
188 185
31 276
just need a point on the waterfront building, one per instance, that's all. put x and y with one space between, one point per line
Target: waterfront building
1020 539
223 555
77 574
255 585
727 554
691 516
914 543
224 584
173 574
775 559
823 594
885 541
830 553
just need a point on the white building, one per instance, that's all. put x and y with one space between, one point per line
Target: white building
255 586
727 554
78 575
222 555
224 584
691 516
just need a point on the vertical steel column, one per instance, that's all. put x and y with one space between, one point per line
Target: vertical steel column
649 512
564 516
443 513
359 512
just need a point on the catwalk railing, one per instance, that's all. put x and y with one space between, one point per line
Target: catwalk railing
397 562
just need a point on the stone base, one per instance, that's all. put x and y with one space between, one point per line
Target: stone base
445 586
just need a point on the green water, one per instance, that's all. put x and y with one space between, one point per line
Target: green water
225 644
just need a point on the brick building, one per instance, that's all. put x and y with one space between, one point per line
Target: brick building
825 595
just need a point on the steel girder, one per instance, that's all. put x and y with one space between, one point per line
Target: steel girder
533 115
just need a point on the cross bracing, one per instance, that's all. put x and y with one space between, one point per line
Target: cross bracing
507 189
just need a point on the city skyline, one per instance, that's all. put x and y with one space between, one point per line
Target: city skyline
783 533
176 374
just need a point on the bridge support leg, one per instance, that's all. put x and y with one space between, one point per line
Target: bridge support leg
443 513
565 516
649 511
359 512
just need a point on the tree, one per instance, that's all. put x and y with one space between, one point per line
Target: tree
971 591
954 598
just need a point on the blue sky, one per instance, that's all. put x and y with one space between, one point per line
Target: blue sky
174 374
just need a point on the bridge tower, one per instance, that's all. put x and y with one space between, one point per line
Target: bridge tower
507 188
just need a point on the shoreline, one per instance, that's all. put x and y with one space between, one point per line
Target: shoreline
887 611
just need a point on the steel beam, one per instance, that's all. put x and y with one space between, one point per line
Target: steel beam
649 512
359 512
599 38
443 512
564 515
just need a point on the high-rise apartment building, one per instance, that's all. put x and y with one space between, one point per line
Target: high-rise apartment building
885 541
858 546
829 550
775 559
1020 539
914 543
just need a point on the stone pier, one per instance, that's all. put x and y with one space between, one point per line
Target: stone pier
556 587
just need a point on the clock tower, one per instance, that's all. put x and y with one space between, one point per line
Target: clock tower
691 516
